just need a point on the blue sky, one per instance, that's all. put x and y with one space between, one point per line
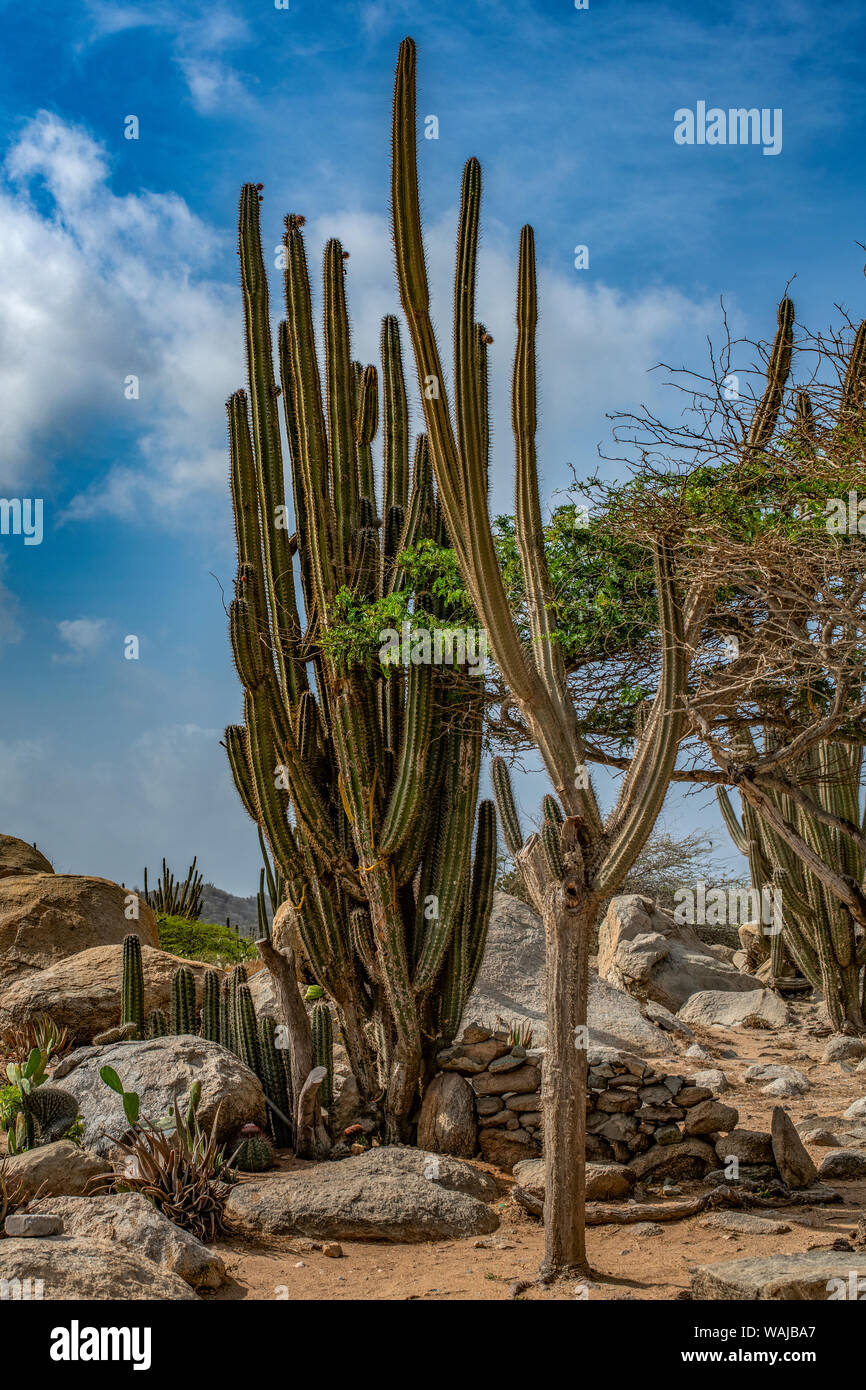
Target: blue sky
117 258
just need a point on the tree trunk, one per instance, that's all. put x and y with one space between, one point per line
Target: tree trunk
281 965
568 930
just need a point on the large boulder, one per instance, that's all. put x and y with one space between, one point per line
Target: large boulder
642 950
80 1269
18 857
162 1071
47 917
447 1121
58 1169
731 1009
378 1195
792 1160
616 1020
129 1220
510 983
812 1275
605 1182
82 993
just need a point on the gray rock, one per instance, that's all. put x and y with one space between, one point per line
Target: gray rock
641 1229
605 1182
642 950
691 1158
792 1160
129 1220
505 1148
525 1079
713 1079
746 1146
32 1226
711 1117
510 983
729 1009
771 1072
745 1223
810 1276
843 1049
379 1195
616 1020
699 1053
447 1121
856 1110
56 1169
510 1062
161 1071
843 1165
79 1269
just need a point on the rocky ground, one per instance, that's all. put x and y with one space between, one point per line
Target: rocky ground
631 1262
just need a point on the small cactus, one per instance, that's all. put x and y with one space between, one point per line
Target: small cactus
182 1008
132 987
156 1024
323 1051
254 1153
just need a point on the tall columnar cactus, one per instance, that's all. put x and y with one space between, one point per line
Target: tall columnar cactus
364 782
817 929
323 1050
246 1032
569 879
132 986
156 1024
210 1007
273 1079
226 1036
183 1000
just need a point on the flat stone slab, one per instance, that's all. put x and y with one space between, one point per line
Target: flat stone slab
76 1268
390 1194
730 1010
744 1223
809 1276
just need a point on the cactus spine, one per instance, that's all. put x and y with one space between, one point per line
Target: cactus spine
379 776
132 986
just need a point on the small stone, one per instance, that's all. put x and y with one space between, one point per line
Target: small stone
487 1105
647 1228
506 1063
474 1033
747 1146
699 1053
745 1223
674 1084
777 1071
711 1117
333 1249
619 1102
821 1138
857 1110
712 1080
300 1264
693 1095
33 1226
668 1134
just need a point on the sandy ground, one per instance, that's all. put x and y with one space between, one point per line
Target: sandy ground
626 1266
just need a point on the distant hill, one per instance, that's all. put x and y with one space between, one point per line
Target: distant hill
217 905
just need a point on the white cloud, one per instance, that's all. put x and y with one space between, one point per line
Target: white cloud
83 636
94 289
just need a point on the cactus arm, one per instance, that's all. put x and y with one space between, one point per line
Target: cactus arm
732 820
395 418
648 777
340 411
366 425
266 441
767 411
412 779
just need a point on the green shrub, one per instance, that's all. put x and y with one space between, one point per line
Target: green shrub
10 1106
205 941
